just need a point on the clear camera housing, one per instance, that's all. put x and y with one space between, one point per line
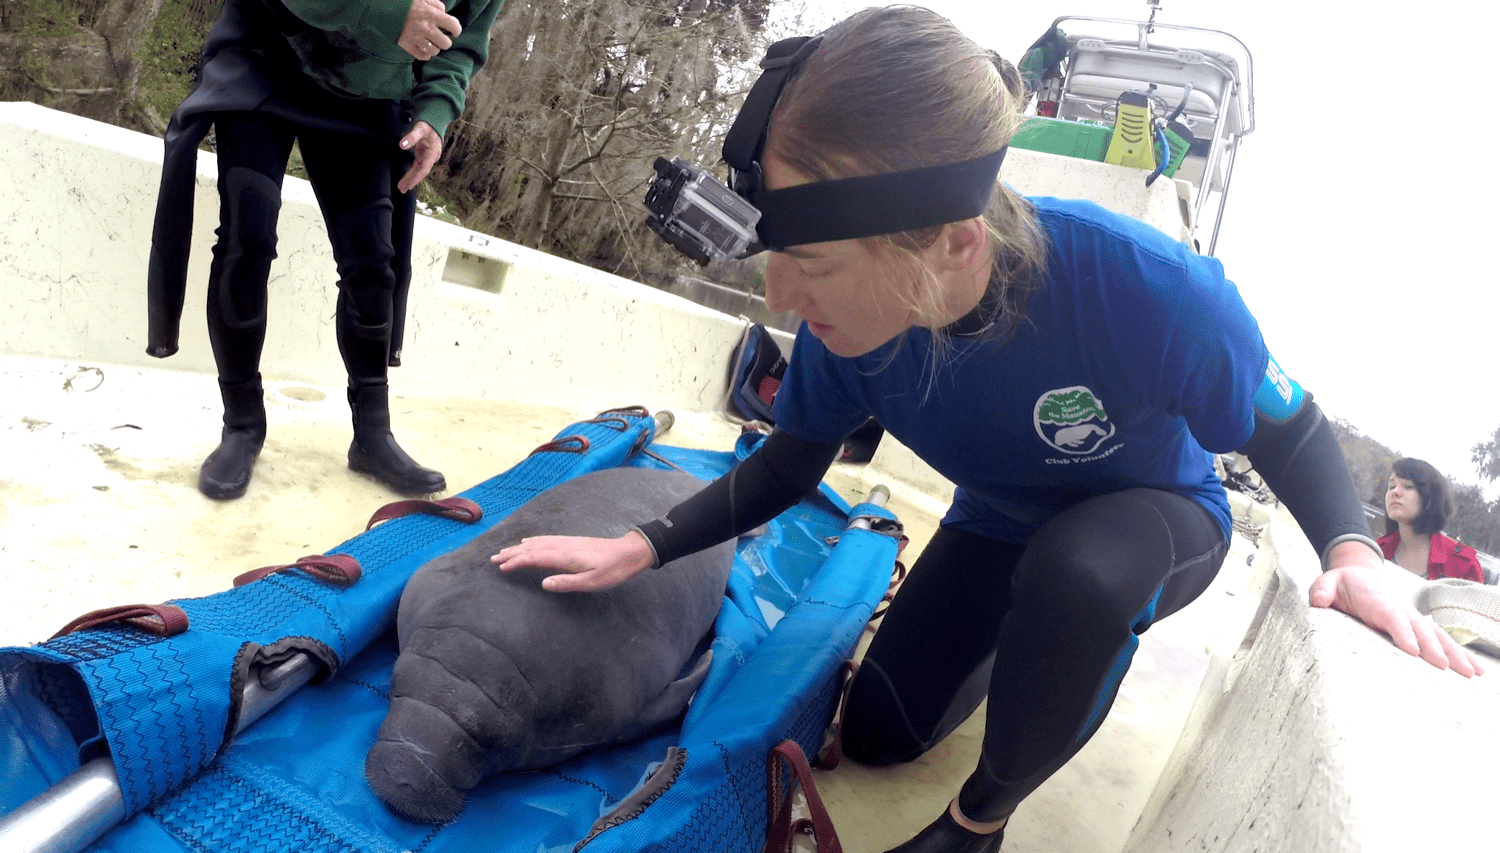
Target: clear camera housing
701 217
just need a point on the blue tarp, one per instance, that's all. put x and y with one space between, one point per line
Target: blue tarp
295 780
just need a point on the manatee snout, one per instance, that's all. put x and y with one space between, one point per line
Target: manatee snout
423 761
399 774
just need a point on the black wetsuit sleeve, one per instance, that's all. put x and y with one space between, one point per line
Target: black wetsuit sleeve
775 477
1300 460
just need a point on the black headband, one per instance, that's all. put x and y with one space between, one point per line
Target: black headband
876 204
847 208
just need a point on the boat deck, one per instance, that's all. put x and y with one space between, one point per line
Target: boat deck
1249 721
99 507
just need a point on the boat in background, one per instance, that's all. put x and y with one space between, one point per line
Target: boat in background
1196 83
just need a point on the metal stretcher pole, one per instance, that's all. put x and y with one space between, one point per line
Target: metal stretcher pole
878 497
75 812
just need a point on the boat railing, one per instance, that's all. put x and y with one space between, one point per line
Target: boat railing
1212 81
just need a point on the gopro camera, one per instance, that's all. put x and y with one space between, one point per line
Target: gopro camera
698 215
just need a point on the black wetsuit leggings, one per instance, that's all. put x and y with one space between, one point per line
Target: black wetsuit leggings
1046 630
351 176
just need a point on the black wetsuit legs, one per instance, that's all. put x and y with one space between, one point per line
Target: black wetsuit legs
253 151
351 177
351 174
1046 631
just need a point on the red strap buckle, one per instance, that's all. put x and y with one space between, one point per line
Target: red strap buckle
338 569
458 509
163 620
566 444
780 828
631 411
617 424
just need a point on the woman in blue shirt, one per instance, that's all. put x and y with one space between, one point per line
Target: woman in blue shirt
1071 370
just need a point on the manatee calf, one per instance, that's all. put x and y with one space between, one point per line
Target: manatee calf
496 674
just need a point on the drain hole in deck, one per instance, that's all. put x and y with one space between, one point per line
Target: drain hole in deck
475 271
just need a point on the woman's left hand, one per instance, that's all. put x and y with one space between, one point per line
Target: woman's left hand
1360 591
427 147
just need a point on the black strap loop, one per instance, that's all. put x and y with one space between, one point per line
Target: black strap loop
790 52
748 133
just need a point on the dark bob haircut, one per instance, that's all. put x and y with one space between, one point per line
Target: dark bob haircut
1432 488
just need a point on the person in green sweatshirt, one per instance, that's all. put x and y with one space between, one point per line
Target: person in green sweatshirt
367 90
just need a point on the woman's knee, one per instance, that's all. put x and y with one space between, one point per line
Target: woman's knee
1070 583
363 249
362 238
250 205
1102 559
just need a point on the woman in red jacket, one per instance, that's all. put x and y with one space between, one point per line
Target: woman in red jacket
1418 502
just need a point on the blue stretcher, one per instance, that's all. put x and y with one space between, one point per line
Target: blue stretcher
166 717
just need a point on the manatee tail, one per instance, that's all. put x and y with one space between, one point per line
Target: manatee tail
399 773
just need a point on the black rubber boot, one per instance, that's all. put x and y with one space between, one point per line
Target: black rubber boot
226 472
374 450
944 835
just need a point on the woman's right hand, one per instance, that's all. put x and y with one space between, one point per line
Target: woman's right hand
581 563
1362 592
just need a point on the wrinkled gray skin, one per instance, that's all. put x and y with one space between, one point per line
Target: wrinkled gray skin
495 674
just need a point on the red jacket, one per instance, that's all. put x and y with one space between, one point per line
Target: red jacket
1446 559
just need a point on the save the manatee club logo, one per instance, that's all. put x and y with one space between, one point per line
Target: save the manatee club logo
1072 420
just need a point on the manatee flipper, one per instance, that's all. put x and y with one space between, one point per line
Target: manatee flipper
670 704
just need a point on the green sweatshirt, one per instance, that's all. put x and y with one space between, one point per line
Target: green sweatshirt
351 48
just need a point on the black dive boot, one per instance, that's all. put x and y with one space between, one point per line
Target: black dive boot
944 835
374 450
226 472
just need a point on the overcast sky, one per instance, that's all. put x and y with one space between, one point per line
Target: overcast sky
1359 226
